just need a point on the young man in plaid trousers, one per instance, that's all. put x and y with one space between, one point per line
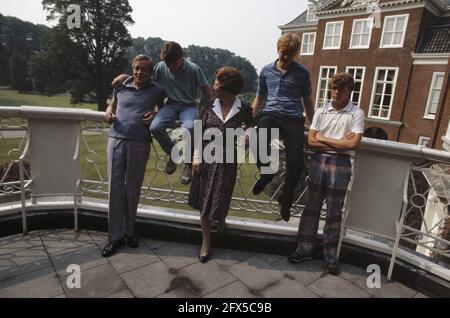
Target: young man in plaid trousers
335 132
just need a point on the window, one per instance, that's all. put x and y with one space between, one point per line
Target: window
361 33
333 35
323 90
358 75
383 92
308 41
424 141
310 16
434 94
394 30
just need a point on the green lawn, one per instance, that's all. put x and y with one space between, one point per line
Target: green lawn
10 97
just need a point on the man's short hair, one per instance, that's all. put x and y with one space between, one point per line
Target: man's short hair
230 79
171 52
143 57
341 80
289 41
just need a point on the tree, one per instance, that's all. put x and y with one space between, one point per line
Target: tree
54 66
100 45
20 37
18 73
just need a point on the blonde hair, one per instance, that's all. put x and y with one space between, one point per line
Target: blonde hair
289 41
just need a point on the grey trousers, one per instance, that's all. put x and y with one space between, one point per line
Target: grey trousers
127 160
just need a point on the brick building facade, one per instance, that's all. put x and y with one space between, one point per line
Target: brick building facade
398 52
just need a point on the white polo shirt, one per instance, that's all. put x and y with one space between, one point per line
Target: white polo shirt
338 124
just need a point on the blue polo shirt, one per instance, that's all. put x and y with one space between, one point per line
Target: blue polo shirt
183 87
283 92
132 104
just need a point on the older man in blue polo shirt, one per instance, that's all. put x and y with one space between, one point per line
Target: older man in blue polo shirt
128 150
285 85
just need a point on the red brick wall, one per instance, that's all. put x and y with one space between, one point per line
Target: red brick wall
370 58
414 123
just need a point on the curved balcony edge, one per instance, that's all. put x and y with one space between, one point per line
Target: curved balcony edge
249 235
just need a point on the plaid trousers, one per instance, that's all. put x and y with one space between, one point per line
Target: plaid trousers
329 177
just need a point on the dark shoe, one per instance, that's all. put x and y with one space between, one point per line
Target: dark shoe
170 167
296 258
112 247
333 269
285 212
132 241
186 175
203 258
263 181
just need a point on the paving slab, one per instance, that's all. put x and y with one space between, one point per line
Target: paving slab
256 273
97 282
178 255
127 258
206 277
287 288
330 286
226 258
151 280
304 273
237 289
387 289
42 283
22 261
87 257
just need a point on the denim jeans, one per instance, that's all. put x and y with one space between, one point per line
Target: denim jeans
166 117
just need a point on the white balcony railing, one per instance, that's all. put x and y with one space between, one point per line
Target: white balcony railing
398 202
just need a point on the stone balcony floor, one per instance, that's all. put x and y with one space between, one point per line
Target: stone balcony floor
35 266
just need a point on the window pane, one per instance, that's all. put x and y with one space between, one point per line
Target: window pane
439 81
381 75
358 27
387 100
388 89
329 30
397 38
387 40
365 39
367 27
433 108
358 86
400 24
390 76
356 40
377 100
337 30
359 74
389 25
436 95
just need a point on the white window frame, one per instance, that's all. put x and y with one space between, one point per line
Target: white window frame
394 86
447 134
340 35
370 20
318 85
313 43
405 27
362 81
427 114
422 140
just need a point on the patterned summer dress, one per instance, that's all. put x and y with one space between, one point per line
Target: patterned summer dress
212 188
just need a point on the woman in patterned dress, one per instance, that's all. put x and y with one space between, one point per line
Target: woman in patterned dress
213 183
